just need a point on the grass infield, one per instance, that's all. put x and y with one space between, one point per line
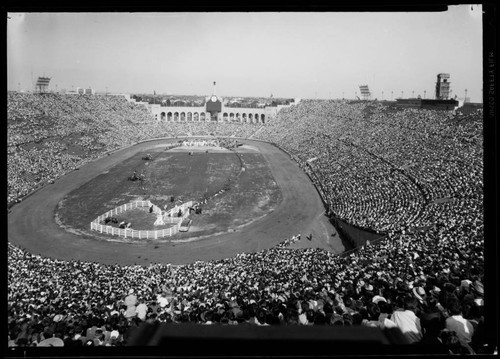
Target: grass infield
248 195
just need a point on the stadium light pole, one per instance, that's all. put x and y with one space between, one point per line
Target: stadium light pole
465 97
391 94
425 93
382 95
412 94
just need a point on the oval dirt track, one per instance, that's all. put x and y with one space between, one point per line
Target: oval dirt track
31 223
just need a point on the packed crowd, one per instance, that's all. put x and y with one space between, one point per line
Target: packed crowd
428 288
414 175
383 170
51 134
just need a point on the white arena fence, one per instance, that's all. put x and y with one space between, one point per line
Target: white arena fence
168 217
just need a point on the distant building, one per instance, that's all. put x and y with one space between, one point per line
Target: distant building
214 109
85 91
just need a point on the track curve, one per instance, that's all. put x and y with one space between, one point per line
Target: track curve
31 223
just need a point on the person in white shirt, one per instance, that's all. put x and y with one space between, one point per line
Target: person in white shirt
141 309
457 323
406 320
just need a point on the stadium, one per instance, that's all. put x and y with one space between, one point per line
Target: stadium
147 210
269 237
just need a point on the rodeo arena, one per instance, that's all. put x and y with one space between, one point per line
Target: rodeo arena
400 263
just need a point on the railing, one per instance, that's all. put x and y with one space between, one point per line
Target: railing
142 234
132 233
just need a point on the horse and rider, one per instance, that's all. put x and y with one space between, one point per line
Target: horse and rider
135 177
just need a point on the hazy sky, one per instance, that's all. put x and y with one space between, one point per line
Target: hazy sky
301 54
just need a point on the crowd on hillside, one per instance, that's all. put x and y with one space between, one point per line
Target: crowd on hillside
415 175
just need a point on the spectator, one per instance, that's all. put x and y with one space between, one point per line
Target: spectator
458 324
405 319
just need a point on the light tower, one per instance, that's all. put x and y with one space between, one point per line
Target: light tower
365 92
42 84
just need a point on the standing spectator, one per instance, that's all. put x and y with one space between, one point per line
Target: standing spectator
405 319
141 309
130 302
457 323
